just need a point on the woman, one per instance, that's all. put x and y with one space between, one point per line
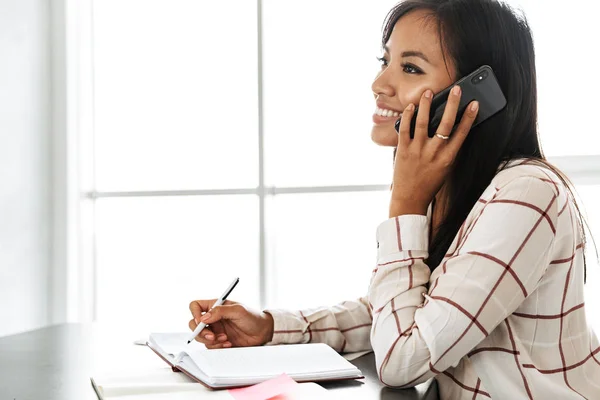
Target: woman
480 273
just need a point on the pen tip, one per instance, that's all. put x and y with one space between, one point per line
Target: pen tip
189 341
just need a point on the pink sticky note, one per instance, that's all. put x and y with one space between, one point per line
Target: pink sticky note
264 390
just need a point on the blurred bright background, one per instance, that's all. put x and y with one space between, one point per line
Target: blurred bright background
152 150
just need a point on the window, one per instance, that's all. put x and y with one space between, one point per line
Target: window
187 176
231 138
154 254
563 60
175 95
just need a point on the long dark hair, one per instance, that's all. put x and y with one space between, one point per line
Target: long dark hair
474 33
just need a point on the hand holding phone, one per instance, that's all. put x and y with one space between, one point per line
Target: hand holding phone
480 85
421 164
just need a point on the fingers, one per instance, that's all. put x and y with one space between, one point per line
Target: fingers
214 336
212 341
450 110
404 130
199 307
209 338
448 119
459 136
228 312
422 123
221 344
205 334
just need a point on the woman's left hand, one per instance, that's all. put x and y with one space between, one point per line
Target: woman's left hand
422 163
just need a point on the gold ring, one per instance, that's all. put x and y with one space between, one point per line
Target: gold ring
442 136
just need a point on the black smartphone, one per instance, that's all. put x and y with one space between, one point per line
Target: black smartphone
480 85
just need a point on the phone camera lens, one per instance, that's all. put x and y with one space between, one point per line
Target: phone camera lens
479 77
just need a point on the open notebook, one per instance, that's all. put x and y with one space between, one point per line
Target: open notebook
242 366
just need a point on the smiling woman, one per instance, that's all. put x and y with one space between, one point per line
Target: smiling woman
480 272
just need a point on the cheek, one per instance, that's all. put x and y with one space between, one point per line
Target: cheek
412 95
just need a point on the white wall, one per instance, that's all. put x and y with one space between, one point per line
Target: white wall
25 198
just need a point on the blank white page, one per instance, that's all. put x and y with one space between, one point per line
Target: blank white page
154 381
296 360
174 343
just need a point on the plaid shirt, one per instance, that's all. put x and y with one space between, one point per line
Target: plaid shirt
502 317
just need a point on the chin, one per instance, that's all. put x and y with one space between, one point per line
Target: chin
384 136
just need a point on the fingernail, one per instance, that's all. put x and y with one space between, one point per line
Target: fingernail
410 107
475 106
226 344
456 90
428 93
205 317
222 338
209 336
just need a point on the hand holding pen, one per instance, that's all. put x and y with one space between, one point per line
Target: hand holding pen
206 316
229 324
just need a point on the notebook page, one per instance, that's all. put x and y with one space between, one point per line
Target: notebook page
154 384
161 380
174 343
302 364
171 341
296 360
189 395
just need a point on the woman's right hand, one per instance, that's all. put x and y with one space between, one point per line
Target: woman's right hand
230 325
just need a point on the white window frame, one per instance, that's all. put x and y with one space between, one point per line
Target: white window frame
73 287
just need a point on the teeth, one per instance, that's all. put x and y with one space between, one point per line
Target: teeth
386 113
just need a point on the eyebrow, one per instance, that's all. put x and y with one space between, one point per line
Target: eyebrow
410 53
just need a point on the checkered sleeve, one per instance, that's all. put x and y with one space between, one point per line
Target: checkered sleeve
498 263
345 326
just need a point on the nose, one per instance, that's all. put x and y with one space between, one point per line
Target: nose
381 85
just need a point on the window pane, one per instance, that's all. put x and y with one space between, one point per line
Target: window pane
155 255
590 195
565 56
319 63
322 247
175 94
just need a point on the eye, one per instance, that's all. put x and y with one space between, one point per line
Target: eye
383 61
411 69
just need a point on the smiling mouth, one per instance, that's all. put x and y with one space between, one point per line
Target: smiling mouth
385 117
382 112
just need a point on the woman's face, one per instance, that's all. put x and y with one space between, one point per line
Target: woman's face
412 63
